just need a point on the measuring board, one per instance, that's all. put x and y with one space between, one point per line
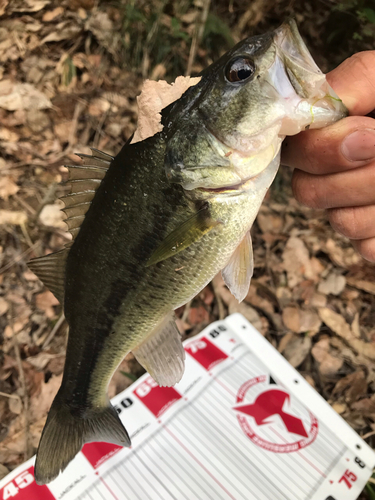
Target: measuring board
241 424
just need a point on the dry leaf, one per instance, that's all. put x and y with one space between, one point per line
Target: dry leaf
7 187
98 106
339 408
366 286
297 349
329 365
270 223
15 96
154 97
51 215
15 405
300 320
353 386
334 284
296 262
50 15
41 403
27 5
4 306
8 135
13 218
63 31
42 359
45 301
249 312
336 323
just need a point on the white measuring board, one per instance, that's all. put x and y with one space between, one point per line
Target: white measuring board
242 424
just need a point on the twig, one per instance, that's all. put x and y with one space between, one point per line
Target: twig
49 197
54 330
21 374
198 34
80 106
19 257
369 434
11 396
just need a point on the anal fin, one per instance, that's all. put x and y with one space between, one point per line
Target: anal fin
239 270
162 353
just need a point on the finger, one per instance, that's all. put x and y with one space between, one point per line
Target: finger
347 144
356 223
345 189
366 248
354 82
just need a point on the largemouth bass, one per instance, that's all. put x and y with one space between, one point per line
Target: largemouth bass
155 224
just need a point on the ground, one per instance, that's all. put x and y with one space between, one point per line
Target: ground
69 76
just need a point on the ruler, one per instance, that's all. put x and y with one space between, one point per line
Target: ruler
241 424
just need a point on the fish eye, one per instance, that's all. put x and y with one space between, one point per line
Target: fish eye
239 69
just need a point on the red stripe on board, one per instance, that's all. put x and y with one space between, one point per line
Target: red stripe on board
108 488
300 454
199 462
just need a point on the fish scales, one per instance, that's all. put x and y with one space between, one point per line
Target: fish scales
170 213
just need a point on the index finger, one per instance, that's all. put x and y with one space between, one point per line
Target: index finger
354 82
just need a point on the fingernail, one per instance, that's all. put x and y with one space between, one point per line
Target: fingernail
360 145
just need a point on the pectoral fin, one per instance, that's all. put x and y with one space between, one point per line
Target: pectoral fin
239 270
162 354
185 235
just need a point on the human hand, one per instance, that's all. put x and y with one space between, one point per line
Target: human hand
335 166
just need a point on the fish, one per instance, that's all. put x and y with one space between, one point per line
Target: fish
152 226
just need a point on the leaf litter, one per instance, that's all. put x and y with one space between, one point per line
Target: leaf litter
64 88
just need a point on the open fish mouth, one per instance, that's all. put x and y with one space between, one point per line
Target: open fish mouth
310 100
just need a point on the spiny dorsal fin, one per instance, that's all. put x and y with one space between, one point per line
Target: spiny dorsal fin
51 270
84 180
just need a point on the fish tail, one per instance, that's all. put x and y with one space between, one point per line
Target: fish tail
65 433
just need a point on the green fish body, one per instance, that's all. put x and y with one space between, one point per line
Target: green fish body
155 224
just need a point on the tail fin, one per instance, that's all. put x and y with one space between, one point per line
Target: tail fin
64 435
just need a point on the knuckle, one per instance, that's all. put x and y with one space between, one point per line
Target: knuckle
305 189
363 60
345 221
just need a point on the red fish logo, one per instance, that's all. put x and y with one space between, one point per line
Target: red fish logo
271 403
271 421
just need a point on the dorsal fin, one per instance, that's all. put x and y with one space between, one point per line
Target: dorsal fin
84 180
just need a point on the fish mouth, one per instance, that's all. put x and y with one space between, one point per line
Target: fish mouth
310 100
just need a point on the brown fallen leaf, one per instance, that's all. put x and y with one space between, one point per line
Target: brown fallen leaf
51 215
15 96
334 284
13 218
297 349
45 301
366 286
336 323
301 320
50 15
154 97
341 328
296 262
329 365
353 386
7 187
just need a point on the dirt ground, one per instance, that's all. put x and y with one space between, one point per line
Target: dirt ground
69 76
